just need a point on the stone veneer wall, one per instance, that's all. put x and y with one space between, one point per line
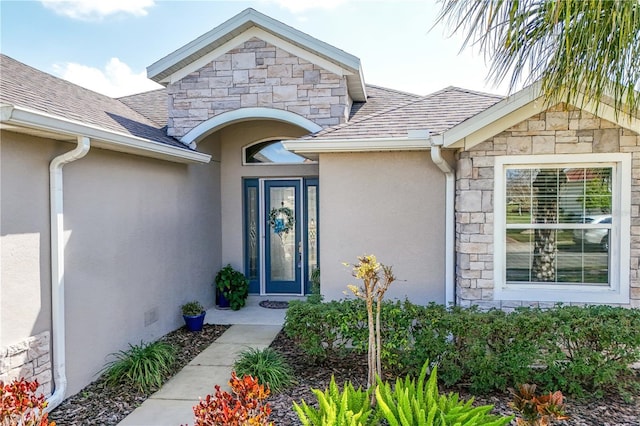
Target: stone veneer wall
558 130
257 74
29 359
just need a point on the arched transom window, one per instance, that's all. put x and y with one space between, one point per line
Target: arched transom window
271 152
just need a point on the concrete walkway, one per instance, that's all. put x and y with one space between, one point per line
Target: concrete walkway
252 313
173 404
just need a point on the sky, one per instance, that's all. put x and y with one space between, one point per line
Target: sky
106 45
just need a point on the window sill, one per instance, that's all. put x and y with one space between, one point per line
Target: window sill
561 294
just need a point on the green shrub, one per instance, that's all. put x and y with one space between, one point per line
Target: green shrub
265 365
430 337
580 350
412 334
192 309
491 350
590 349
412 403
351 318
396 326
144 366
324 329
315 327
351 407
315 296
233 285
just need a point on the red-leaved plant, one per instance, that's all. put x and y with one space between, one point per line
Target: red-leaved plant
537 410
244 406
21 406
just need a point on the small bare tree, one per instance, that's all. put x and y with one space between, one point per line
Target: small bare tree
372 292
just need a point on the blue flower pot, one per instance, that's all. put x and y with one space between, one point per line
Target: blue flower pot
194 323
223 302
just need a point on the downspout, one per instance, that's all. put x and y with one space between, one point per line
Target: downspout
449 225
57 267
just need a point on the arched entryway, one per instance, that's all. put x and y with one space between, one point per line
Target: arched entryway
247 114
268 198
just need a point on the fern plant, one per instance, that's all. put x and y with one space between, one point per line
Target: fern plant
418 403
351 407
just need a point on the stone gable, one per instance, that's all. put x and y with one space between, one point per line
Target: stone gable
257 74
558 130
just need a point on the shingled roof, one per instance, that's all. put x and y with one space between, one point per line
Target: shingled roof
27 87
436 112
152 105
380 98
387 113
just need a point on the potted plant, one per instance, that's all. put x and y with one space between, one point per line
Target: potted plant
193 314
232 288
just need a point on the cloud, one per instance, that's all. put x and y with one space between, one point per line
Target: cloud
298 6
88 10
116 80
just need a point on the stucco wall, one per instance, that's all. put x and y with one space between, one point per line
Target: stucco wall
231 140
24 232
257 74
25 280
558 130
143 238
390 205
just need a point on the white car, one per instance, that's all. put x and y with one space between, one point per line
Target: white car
595 236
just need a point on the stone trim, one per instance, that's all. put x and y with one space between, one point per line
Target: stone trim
29 359
558 130
257 74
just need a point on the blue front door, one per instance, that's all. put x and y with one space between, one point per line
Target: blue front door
283 245
281 234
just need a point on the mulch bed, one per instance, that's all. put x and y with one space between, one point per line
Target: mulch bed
98 404
608 411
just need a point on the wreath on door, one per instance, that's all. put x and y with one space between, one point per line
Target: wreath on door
281 220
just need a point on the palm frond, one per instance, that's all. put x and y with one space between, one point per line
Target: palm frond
580 50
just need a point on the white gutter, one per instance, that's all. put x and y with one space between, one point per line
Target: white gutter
449 225
416 140
57 267
311 148
101 137
17 119
316 146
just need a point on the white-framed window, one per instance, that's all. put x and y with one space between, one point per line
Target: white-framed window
561 228
271 152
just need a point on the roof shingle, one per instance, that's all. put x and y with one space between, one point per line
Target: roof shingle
379 98
24 86
436 112
387 113
152 105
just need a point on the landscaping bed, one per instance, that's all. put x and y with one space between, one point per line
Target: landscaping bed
100 404
610 410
